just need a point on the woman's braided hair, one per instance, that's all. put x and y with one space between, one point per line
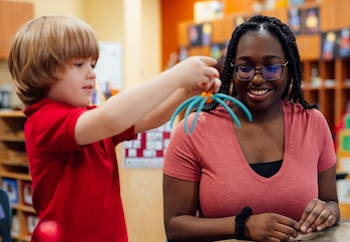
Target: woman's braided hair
287 39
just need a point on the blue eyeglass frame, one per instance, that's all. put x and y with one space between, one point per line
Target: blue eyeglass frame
259 69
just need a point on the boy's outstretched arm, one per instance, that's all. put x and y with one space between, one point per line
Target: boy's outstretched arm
162 113
133 104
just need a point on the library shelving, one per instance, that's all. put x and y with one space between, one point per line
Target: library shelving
14 174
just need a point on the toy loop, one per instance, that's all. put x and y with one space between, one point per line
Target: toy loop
208 97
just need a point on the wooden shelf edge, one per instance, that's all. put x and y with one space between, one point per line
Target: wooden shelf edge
25 208
25 177
14 164
12 138
20 237
11 113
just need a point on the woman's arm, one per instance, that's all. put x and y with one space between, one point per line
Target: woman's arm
181 201
322 212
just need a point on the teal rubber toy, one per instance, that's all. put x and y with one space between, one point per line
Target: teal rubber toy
208 97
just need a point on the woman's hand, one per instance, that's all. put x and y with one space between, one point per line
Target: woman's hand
271 227
317 215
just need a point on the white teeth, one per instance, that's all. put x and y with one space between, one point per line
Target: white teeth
258 92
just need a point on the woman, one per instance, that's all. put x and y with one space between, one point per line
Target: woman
269 179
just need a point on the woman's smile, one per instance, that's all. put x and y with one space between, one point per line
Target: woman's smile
258 94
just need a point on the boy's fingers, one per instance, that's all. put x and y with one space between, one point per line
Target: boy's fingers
212 72
216 72
210 61
212 86
217 84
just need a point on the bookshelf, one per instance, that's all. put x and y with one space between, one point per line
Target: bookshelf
14 174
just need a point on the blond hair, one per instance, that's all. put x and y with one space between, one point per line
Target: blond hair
44 45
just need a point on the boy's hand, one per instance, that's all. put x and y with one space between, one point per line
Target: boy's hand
212 86
198 71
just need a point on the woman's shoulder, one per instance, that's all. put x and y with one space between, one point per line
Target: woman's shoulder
297 110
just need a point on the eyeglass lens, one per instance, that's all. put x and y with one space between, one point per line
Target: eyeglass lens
270 72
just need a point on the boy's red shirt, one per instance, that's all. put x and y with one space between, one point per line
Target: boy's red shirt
75 186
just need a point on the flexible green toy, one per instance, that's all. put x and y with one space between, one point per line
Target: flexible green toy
208 97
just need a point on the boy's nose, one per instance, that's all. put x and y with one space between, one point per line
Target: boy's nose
92 74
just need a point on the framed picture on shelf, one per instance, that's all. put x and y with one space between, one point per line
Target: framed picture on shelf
329 48
343 40
200 34
10 187
195 34
311 23
294 20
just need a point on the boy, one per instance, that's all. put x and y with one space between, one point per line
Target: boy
70 144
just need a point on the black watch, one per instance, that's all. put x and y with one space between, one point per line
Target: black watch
240 223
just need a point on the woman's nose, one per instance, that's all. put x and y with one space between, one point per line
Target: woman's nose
258 78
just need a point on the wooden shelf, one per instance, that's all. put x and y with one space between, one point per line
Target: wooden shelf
14 171
11 113
25 238
11 138
24 208
19 176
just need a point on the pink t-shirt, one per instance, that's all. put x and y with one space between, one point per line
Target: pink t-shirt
212 156
75 186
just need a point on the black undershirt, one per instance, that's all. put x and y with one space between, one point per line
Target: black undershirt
267 169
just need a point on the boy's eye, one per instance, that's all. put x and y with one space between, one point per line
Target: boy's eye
80 63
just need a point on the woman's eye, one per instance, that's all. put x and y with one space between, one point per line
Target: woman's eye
245 68
272 68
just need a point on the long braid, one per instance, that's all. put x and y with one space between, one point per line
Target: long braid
288 42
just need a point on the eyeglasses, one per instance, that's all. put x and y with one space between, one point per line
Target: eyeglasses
269 72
